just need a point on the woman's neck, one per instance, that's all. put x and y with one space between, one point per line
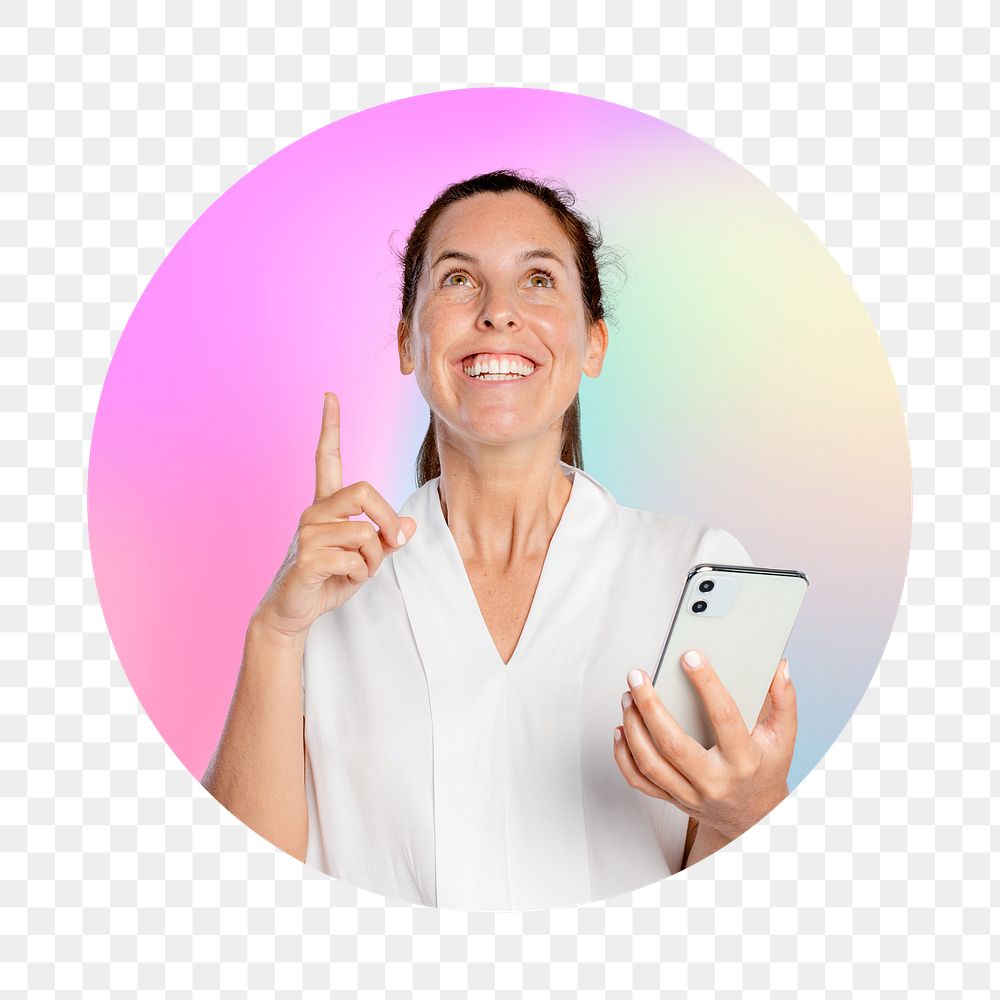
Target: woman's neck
505 511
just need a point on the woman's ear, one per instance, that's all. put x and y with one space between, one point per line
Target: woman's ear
597 347
403 342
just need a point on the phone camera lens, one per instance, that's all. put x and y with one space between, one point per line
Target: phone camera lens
698 606
706 585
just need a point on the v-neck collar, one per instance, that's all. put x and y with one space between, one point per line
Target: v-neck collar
436 586
469 604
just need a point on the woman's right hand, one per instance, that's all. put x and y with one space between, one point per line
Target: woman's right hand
331 557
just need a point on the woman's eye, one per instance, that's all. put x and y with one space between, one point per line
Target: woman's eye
547 279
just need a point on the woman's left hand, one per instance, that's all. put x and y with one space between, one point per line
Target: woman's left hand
729 787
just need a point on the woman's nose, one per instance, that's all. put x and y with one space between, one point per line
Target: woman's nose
499 310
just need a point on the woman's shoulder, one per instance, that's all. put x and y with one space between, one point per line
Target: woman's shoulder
659 529
706 542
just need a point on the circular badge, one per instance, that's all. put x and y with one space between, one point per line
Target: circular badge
743 387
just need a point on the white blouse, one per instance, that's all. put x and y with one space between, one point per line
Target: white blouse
438 775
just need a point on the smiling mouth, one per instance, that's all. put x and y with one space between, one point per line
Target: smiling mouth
519 371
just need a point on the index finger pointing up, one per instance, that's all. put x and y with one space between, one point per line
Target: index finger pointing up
329 470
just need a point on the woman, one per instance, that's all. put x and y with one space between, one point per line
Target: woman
460 699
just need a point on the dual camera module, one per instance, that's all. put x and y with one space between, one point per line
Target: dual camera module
705 586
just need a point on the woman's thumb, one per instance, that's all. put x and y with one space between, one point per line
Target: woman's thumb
783 715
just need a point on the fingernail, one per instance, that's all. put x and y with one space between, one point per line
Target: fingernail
618 734
692 659
401 538
634 678
784 673
626 700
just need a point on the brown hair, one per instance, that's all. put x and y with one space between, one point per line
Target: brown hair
587 242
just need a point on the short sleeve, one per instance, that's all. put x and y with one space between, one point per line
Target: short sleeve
720 545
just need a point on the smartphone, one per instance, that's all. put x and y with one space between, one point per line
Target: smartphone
740 617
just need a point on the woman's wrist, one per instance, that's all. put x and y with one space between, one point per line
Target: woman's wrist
262 631
707 840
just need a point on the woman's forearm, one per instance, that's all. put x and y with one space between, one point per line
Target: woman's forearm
258 770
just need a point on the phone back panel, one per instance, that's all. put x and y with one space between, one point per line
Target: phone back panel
743 631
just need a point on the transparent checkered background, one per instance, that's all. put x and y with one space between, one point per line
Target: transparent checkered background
873 121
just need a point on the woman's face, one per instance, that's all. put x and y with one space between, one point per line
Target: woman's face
500 285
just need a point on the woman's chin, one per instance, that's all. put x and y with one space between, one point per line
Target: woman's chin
508 436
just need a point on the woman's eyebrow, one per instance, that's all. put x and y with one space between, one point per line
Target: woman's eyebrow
540 252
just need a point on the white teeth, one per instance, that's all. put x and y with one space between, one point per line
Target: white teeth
499 368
